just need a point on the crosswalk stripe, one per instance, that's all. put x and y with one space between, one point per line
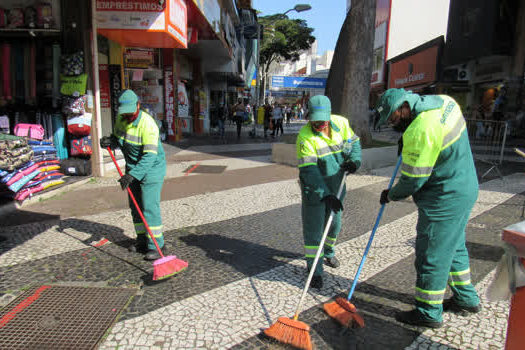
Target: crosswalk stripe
232 313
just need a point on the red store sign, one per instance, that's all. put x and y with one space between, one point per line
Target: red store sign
419 68
144 23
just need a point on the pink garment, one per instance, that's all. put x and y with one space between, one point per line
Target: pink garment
21 174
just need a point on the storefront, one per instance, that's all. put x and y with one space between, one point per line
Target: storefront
142 36
418 69
46 95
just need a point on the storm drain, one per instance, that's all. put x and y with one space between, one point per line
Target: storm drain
206 169
60 317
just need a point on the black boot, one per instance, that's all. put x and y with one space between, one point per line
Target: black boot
332 262
153 254
452 306
415 318
317 282
140 245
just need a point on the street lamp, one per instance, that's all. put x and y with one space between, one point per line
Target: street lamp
297 8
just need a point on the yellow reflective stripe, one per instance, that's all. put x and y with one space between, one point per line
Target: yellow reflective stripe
307 160
415 171
123 135
430 296
330 149
151 148
459 278
330 241
311 250
140 228
156 231
454 134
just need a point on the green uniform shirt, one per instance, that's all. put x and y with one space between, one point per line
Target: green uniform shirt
438 169
320 158
140 143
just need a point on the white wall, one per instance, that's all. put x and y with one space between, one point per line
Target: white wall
414 22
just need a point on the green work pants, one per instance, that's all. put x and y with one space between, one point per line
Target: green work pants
441 256
314 221
147 195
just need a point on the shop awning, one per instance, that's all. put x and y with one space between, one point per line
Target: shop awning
144 23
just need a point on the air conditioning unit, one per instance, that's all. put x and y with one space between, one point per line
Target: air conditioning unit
463 74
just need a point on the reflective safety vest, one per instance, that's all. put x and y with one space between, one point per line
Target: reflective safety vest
320 157
140 143
438 169
429 134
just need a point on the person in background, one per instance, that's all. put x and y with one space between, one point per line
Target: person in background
327 148
277 116
222 115
238 115
438 172
267 117
137 135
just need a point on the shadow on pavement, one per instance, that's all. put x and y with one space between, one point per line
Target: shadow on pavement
246 257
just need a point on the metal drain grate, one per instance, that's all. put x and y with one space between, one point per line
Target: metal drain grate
60 317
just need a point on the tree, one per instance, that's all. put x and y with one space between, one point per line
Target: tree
283 38
348 83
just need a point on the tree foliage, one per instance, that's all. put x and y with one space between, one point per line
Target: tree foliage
283 38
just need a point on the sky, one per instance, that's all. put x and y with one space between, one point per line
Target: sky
326 17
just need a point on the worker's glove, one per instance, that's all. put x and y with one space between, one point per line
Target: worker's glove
349 167
125 181
108 141
333 203
400 146
384 197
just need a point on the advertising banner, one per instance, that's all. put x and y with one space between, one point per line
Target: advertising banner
115 87
417 69
143 23
169 94
298 82
103 76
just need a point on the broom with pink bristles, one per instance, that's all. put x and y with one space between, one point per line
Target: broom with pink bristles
166 266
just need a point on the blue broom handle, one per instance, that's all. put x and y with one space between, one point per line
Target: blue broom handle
378 219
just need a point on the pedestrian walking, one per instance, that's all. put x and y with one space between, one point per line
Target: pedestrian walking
322 166
137 135
438 172
238 116
221 118
267 117
277 116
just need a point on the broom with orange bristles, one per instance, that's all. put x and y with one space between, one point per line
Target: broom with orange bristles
342 310
166 266
292 331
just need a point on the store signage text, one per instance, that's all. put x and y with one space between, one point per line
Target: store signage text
169 99
410 78
144 5
298 82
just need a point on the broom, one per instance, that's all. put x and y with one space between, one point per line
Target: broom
291 331
342 310
166 266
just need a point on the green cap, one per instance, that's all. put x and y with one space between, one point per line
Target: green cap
391 100
127 102
319 108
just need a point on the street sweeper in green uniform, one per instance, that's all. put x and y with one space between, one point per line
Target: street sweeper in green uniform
438 172
326 148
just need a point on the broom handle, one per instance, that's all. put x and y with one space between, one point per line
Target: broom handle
318 254
354 283
136 204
